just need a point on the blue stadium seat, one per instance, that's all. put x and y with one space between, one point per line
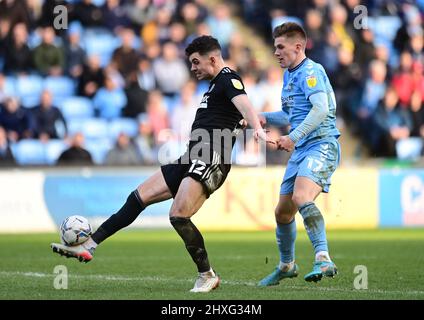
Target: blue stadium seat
126 125
98 3
30 101
60 86
77 108
54 149
102 45
98 149
10 86
29 152
74 126
29 86
94 128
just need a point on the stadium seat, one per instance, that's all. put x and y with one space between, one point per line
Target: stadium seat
29 152
74 126
409 148
29 86
30 101
10 86
102 45
98 3
54 149
98 149
126 125
77 107
60 86
94 128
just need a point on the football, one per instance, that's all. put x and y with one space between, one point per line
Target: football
75 230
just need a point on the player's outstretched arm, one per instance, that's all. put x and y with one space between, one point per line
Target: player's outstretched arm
245 107
276 118
315 117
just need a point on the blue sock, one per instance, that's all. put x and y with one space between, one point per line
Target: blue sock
286 236
314 225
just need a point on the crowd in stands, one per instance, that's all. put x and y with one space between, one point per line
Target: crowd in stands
374 63
115 88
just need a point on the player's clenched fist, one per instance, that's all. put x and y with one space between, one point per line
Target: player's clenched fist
285 143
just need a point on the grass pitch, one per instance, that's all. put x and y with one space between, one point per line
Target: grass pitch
147 264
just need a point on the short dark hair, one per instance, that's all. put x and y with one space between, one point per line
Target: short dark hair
202 45
289 30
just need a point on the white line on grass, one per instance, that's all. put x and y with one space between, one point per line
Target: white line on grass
227 282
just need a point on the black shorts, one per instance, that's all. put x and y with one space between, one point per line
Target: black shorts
210 170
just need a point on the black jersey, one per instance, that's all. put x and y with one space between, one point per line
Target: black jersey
216 111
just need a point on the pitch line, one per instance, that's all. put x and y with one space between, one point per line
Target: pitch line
225 282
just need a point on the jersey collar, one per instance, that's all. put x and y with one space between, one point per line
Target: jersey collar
298 66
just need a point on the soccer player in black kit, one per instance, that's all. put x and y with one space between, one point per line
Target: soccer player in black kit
199 172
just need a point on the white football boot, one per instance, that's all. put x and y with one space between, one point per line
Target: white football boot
79 251
206 281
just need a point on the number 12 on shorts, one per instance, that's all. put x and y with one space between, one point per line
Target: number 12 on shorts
197 166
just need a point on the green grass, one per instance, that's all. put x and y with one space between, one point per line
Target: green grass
154 265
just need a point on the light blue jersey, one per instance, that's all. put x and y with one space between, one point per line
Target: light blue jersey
317 154
299 84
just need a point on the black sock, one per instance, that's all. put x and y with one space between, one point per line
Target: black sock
124 217
193 241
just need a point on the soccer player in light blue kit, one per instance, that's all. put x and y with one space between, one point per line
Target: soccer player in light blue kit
309 106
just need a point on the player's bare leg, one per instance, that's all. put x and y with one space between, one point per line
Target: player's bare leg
286 236
153 190
190 197
304 195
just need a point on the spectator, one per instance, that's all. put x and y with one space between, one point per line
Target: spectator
373 92
114 15
144 141
92 77
125 57
170 71
417 115
48 120
4 38
124 153
394 123
157 113
271 88
178 35
76 154
190 16
136 98
184 112
16 12
140 12
145 75
15 120
74 53
402 80
6 155
347 83
365 50
18 55
316 34
49 59
239 55
109 100
87 13
222 27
